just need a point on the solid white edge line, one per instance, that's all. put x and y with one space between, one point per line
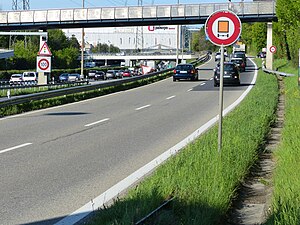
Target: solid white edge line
114 191
173 96
143 107
94 123
15 147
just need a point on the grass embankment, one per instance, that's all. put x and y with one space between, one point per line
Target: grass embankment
203 181
286 195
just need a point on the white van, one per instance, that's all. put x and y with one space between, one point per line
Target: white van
29 77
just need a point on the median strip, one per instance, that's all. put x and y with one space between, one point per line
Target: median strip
15 147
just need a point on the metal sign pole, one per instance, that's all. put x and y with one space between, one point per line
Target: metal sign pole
221 100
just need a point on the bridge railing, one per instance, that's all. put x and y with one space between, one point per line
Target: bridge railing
168 12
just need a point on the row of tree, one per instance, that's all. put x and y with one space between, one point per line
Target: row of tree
286 33
65 51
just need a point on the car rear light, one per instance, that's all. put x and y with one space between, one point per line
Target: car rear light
174 71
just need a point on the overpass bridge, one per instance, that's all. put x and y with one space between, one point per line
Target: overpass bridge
264 11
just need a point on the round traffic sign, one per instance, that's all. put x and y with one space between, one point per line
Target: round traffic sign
223 28
43 64
273 49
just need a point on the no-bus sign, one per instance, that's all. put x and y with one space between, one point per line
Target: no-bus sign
43 64
223 28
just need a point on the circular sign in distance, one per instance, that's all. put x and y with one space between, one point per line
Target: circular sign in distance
223 28
43 64
273 49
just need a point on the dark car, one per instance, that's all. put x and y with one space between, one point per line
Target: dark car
185 71
261 55
239 62
64 77
240 55
100 75
231 74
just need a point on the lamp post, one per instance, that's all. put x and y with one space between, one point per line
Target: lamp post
177 41
82 46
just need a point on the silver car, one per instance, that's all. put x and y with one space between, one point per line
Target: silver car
111 74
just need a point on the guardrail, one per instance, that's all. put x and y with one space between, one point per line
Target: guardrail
73 90
277 72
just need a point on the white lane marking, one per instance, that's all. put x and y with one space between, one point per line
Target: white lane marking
118 188
143 107
202 84
16 147
190 90
94 123
173 96
211 78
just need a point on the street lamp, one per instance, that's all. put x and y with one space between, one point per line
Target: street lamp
82 46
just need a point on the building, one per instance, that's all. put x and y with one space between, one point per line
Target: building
145 38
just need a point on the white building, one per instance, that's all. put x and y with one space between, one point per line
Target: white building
130 38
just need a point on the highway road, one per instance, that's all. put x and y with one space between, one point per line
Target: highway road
54 161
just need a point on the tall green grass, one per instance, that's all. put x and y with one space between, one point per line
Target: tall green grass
286 196
203 181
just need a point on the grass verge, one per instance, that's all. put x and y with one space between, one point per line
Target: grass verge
286 195
203 181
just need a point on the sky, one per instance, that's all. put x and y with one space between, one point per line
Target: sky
55 4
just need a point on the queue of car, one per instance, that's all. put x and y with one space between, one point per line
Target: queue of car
24 78
232 69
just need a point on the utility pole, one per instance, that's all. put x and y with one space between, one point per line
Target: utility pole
177 41
82 46
20 5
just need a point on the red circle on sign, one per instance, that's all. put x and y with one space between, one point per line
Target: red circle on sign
43 64
230 16
273 49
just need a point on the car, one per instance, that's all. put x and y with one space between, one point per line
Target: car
231 74
185 71
15 79
74 77
29 77
91 74
240 55
64 77
262 55
240 63
111 74
120 73
127 73
100 75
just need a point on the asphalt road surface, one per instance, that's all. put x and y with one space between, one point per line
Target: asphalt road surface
54 161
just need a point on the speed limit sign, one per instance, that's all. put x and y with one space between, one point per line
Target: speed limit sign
273 49
43 64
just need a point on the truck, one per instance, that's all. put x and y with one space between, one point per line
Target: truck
239 47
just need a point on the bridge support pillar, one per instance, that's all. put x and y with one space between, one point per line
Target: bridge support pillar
269 57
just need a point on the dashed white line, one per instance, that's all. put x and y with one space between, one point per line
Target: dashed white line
173 96
190 90
202 84
211 78
143 107
94 123
16 147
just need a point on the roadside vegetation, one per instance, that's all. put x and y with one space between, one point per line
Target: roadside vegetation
202 180
286 195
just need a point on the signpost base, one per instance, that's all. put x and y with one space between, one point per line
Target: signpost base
42 78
